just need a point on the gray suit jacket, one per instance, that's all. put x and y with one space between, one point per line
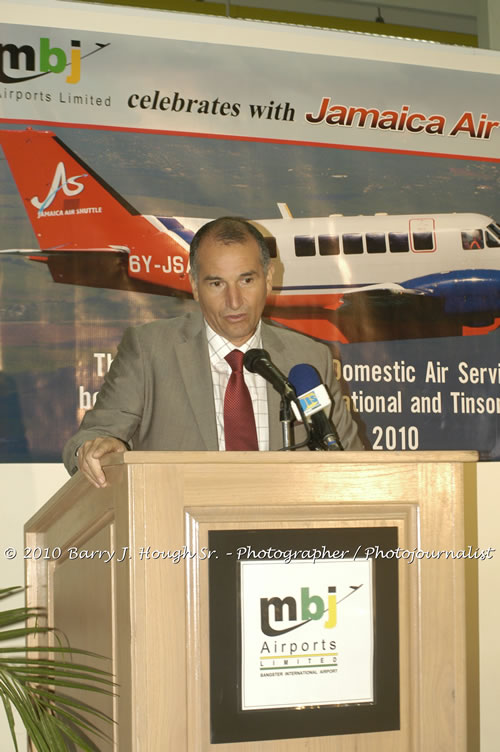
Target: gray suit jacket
158 392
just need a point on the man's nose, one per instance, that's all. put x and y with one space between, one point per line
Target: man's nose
234 297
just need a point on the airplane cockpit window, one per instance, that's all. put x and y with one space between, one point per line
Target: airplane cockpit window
353 243
423 241
270 241
329 245
492 241
375 242
304 245
398 242
495 229
472 240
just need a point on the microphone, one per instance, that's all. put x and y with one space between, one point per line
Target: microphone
258 361
314 399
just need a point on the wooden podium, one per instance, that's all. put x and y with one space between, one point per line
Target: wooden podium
150 613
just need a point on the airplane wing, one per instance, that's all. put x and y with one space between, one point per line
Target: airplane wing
92 267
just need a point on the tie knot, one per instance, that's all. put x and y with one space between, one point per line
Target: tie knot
235 360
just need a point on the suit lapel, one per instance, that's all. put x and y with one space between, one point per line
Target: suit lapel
194 364
272 342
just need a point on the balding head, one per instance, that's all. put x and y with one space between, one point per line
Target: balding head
227 230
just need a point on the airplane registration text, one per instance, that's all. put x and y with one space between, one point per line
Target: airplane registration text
138 264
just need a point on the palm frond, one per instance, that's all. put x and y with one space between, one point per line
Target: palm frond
35 679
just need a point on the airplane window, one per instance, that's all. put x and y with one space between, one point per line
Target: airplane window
329 245
423 241
472 240
491 240
271 245
304 245
375 242
398 242
352 243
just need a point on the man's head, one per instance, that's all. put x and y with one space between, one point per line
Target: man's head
231 276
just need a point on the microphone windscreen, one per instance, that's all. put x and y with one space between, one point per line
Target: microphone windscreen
304 378
252 357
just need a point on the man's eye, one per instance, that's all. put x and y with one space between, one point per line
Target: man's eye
247 280
215 283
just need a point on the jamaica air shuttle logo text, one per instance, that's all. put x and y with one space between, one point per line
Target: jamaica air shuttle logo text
60 187
403 120
23 62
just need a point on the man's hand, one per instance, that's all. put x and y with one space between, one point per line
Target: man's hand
90 454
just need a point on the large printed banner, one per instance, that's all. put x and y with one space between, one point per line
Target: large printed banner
372 167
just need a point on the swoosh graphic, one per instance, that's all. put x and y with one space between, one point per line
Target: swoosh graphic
272 632
50 197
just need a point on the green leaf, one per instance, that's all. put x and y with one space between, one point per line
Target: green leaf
10 719
7 592
31 680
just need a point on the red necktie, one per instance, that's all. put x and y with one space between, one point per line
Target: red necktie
239 421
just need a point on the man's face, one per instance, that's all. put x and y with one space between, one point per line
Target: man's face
232 287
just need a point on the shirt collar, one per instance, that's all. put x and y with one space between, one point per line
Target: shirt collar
219 347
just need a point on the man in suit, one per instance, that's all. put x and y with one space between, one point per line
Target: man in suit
166 388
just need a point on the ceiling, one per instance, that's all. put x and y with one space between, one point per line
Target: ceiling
447 21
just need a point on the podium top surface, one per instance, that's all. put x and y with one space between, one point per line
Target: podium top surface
77 497
176 458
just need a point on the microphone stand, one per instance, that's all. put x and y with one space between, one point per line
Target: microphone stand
286 417
257 360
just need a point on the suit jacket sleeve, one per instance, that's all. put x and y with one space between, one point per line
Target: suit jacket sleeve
120 403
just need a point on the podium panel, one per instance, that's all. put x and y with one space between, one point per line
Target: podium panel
252 602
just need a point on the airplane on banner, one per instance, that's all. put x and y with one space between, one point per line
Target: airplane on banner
332 273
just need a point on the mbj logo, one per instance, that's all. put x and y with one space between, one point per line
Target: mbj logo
69 186
50 60
312 608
